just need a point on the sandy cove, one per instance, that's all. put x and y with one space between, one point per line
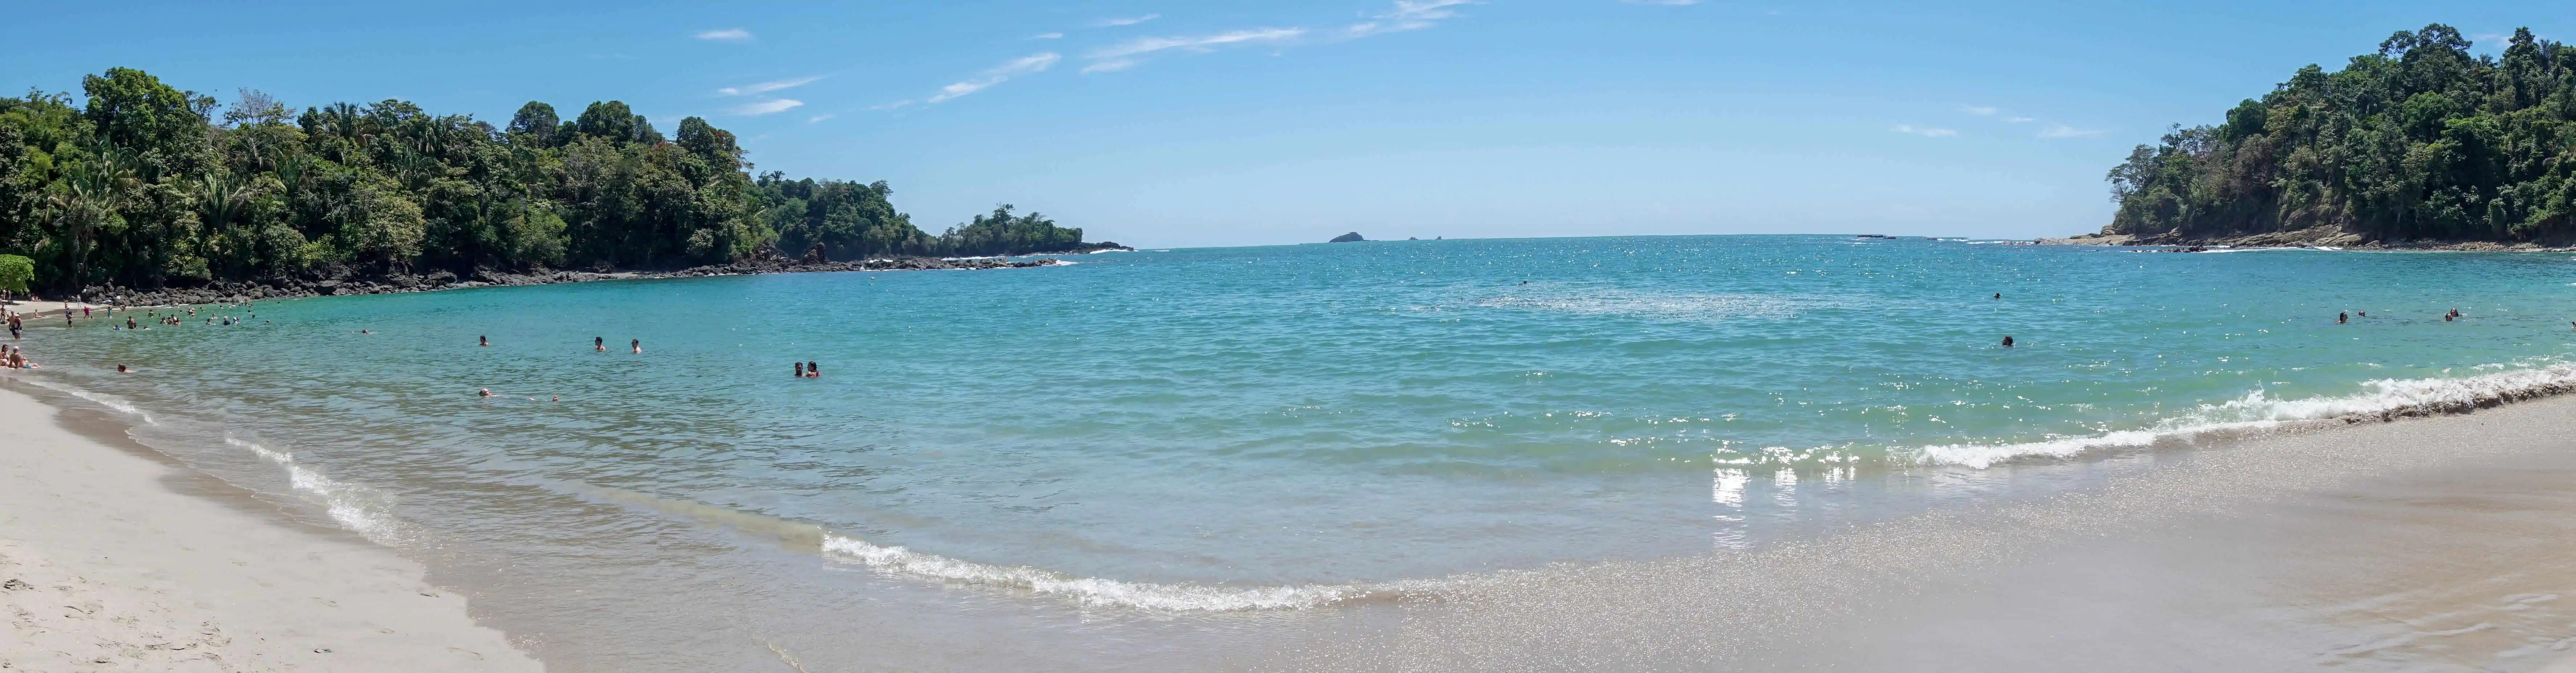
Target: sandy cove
106 566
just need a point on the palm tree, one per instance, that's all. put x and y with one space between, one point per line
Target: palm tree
90 195
224 201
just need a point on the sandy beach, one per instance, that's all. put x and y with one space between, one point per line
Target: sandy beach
113 560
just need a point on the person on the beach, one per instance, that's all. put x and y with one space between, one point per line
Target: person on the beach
483 341
638 344
813 371
599 344
800 370
2342 318
2008 341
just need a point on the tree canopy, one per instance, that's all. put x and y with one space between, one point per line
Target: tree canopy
2419 140
140 184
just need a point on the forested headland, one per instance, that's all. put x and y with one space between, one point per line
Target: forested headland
2420 141
138 184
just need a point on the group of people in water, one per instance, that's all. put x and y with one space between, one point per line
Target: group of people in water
2345 317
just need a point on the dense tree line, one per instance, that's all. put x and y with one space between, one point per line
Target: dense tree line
139 184
2420 140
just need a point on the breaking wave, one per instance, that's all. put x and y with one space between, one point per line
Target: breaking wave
2381 399
902 562
366 511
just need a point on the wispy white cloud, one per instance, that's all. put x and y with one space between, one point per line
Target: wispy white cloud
1407 15
726 35
1124 21
2064 131
766 87
1978 110
819 117
1047 36
772 106
1925 131
1127 54
2017 120
893 105
1033 63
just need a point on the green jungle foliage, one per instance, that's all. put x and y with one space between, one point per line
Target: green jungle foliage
16 273
139 184
2419 140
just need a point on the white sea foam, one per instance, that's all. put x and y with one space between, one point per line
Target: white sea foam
1093 590
902 562
2381 399
121 405
360 509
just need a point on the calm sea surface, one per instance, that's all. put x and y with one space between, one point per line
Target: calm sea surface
1172 444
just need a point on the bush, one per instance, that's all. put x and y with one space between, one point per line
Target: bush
15 273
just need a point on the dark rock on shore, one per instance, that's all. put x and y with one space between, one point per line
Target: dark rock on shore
231 292
2323 236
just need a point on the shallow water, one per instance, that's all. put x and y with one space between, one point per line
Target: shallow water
1176 452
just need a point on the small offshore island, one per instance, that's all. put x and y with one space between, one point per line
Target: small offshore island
2418 146
149 194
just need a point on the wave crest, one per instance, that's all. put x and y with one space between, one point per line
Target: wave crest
2380 399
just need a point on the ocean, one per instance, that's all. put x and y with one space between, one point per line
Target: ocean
1190 457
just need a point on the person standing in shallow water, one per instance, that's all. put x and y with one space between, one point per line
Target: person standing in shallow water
483 341
2341 318
813 371
637 343
800 370
599 344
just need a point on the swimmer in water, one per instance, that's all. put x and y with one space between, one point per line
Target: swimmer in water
122 370
599 344
483 341
813 371
2007 341
2341 318
1999 295
487 392
637 343
2364 314
800 367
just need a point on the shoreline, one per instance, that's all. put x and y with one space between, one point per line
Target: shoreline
118 558
2436 543
2302 238
350 284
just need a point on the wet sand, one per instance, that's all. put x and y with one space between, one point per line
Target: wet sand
113 560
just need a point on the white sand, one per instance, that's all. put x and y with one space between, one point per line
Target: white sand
105 568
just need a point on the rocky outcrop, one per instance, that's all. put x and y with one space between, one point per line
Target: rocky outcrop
2328 236
1353 237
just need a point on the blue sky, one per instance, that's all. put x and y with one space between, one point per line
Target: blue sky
1169 124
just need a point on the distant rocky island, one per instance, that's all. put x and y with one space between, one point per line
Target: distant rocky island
2419 145
1353 237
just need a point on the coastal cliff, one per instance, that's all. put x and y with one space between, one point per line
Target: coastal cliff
2418 145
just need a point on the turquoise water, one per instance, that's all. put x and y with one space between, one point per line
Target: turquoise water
1286 427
